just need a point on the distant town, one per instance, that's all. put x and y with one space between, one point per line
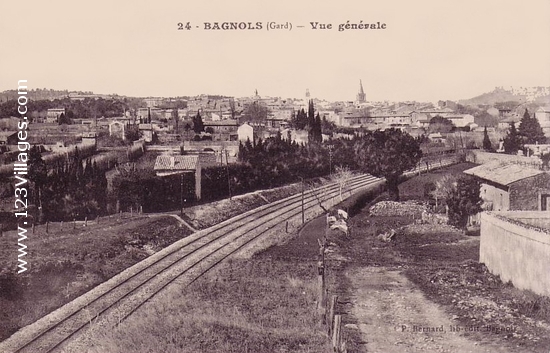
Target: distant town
62 118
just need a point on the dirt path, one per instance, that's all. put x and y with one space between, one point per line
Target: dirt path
395 317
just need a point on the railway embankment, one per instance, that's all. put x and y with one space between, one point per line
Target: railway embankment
312 199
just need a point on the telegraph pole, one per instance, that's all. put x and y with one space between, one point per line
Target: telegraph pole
302 182
330 148
181 195
228 178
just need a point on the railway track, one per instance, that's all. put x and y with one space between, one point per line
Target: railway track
185 261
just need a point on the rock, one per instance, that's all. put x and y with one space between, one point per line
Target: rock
392 208
352 326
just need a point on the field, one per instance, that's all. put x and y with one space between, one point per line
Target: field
257 305
70 259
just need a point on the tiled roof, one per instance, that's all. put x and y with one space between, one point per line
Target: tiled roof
227 122
175 163
503 174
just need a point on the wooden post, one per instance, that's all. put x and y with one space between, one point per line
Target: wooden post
47 226
286 227
343 348
74 223
337 333
331 311
321 285
86 221
33 227
131 211
321 281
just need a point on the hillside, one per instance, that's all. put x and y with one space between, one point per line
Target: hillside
539 95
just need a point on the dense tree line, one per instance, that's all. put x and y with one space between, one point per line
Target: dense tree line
277 160
73 185
528 132
274 162
71 188
310 122
143 189
75 109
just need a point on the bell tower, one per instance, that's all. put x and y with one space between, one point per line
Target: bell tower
361 97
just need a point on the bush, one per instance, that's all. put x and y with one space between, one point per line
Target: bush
464 201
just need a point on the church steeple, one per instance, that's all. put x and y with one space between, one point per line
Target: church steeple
361 97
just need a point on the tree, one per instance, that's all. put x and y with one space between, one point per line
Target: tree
256 113
38 174
388 154
443 188
486 141
530 130
545 158
315 132
198 125
317 128
464 201
175 119
299 121
512 141
232 108
63 119
310 114
327 127
342 176
131 132
440 124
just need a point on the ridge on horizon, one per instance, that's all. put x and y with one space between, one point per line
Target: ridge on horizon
498 94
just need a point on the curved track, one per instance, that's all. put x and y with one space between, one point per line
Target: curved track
184 261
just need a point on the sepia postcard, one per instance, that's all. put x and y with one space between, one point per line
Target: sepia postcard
275 176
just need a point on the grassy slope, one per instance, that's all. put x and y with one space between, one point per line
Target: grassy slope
254 305
64 263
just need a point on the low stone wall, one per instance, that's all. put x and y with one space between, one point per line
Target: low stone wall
516 251
537 219
482 157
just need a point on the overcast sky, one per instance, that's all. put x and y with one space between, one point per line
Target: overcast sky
431 49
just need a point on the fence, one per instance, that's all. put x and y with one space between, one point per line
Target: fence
58 227
327 309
